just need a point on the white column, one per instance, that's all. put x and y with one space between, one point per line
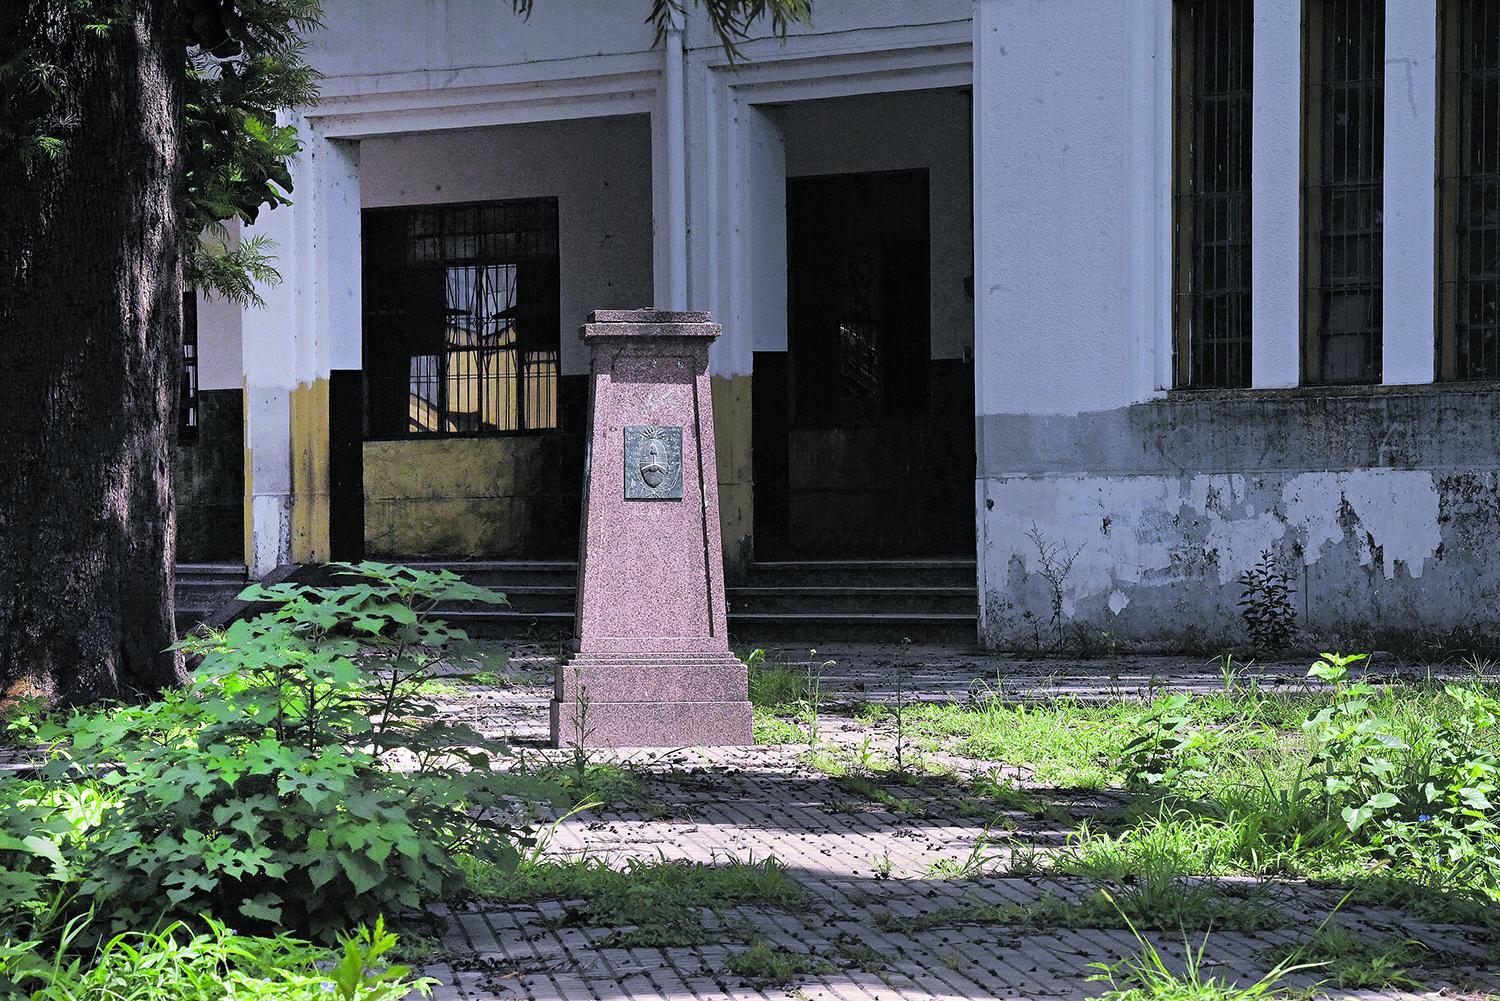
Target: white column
1275 195
674 94
269 344
766 170
337 250
1409 337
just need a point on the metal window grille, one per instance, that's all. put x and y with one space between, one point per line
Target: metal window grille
1469 258
1345 113
187 399
462 318
1213 91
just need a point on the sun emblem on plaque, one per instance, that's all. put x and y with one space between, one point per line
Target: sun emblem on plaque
653 463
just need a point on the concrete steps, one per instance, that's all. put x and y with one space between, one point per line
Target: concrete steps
928 600
204 589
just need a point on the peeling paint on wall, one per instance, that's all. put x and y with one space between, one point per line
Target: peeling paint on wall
1399 540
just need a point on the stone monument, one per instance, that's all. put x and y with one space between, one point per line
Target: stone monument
653 666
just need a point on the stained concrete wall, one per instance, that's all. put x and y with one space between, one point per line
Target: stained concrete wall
1382 504
387 37
509 496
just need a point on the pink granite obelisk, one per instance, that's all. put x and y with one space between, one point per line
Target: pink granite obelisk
653 662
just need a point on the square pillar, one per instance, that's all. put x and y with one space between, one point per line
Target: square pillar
653 667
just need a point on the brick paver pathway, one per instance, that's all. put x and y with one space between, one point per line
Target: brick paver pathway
861 866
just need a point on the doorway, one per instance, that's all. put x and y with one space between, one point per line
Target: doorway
863 441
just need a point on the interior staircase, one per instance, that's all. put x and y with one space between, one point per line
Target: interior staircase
923 600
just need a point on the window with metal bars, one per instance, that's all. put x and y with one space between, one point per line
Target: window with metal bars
1343 205
1212 68
1469 191
187 395
461 318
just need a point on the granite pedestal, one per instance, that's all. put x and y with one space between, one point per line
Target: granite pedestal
653 666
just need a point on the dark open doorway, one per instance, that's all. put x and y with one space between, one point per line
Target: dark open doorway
864 443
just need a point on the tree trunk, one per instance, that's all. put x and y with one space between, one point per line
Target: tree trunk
90 303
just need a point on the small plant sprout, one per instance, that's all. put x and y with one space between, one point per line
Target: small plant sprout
1054 564
813 700
582 730
903 672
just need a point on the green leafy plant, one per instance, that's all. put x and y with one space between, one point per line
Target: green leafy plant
764 964
1424 798
812 705
211 964
1168 749
1266 604
43 829
1353 962
649 902
303 779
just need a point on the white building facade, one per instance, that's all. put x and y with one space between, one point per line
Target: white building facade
1116 297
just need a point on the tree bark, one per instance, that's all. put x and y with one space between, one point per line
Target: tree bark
90 303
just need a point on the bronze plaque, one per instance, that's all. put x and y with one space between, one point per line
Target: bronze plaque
653 463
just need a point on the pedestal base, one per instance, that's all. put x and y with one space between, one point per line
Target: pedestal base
651 700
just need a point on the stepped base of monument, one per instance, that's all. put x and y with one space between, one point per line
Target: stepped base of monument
651 700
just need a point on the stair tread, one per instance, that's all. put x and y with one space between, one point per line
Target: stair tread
954 590
863 616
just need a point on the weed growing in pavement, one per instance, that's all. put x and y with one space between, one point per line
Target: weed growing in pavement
1169 905
813 705
769 966
786 705
858 955
1146 976
604 782
978 862
1352 962
583 730
1168 750
903 671
648 902
769 728
1055 563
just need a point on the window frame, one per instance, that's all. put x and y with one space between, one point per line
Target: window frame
527 341
1453 161
1315 85
189 411
1188 296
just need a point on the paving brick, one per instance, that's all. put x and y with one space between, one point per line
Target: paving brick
766 802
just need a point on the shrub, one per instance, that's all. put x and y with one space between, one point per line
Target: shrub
1423 796
42 829
303 779
1266 604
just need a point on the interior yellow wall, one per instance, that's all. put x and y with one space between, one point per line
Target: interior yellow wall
453 496
731 401
482 496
